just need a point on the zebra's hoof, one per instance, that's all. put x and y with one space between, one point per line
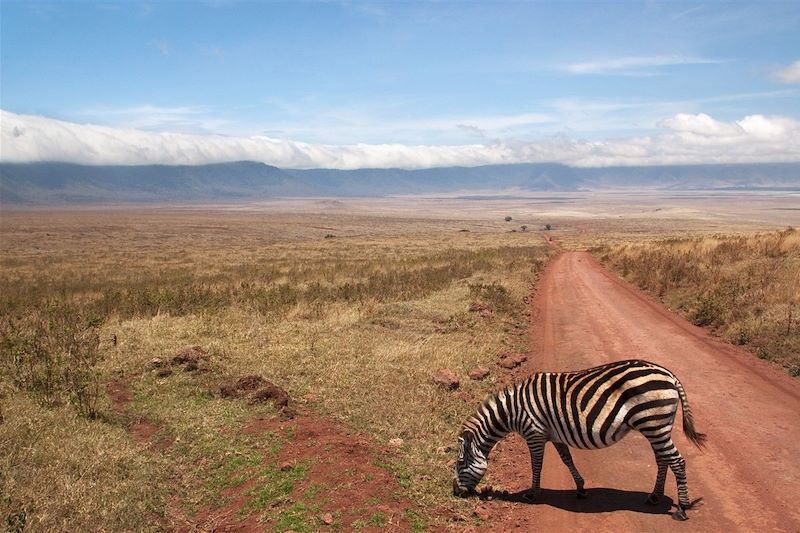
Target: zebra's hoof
652 499
582 494
680 515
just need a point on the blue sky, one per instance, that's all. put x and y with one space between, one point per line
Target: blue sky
407 73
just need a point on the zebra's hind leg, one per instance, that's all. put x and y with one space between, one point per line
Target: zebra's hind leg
536 448
563 451
668 455
661 478
678 466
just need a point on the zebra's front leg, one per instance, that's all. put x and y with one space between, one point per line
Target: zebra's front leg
566 456
536 448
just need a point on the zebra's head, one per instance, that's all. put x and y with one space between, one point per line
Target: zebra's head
470 466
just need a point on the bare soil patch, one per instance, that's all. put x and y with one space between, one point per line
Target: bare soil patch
347 484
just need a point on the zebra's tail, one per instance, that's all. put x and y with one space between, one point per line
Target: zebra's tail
692 434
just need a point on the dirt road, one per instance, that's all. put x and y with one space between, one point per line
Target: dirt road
748 475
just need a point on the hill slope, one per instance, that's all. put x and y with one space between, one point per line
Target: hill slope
52 182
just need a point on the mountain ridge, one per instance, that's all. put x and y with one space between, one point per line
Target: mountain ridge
68 183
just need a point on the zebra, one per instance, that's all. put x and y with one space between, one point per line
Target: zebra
588 409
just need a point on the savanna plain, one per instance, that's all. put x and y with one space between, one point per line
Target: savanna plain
270 366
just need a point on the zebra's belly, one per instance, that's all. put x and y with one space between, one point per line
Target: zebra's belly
579 436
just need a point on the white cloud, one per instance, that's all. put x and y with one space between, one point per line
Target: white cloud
701 124
789 74
685 139
634 65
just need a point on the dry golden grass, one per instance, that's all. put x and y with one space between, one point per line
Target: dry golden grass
61 472
745 287
360 321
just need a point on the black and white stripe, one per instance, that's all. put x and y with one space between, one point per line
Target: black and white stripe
587 409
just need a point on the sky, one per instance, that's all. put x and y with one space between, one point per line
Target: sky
399 84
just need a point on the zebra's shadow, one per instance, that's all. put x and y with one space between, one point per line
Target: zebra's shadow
598 500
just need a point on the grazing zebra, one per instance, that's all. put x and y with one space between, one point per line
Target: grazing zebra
588 409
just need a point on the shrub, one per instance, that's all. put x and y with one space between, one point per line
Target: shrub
52 355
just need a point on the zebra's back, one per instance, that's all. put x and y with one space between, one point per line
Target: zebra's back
596 407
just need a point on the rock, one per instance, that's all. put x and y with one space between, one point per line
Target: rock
396 442
156 362
251 382
309 398
286 466
327 519
486 313
478 373
463 396
510 360
189 354
272 392
446 378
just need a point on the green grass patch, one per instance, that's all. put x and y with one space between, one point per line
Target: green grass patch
274 486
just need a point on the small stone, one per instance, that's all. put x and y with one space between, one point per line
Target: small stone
327 519
309 398
286 466
478 373
446 379
463 396
396 442
511 360
156 362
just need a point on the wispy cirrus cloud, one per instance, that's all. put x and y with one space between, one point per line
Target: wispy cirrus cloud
635 65
184 119
790 73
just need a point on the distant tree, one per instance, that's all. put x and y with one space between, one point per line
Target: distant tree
548 227
509 219
524 227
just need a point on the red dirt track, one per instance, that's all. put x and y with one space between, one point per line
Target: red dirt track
749 473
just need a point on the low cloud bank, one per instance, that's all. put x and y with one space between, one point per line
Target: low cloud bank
684 139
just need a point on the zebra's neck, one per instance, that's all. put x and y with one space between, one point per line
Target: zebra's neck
506 412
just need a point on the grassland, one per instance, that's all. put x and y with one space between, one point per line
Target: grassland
350 314
744 287
350 306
